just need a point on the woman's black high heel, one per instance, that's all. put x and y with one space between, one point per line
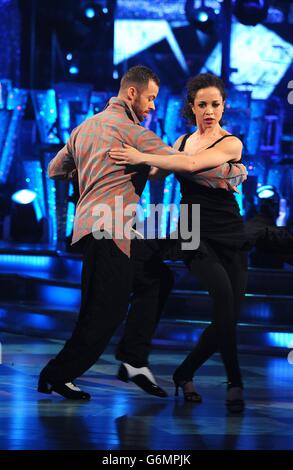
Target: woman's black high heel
191 397
235 402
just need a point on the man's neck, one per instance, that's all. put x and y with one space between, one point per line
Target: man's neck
124 98
128 103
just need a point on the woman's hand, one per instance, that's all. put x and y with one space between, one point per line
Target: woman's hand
126 156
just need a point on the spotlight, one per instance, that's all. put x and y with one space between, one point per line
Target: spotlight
25 221
251 12
73 70
272 244
203 18
24 196
93 10
265 192
90 12
268 202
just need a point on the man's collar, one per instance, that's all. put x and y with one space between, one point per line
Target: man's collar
130 113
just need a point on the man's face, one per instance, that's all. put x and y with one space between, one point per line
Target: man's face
144 100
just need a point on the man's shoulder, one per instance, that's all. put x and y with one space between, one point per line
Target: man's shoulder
103 117
90 121
110 122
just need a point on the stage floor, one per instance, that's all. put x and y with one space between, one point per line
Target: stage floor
121 416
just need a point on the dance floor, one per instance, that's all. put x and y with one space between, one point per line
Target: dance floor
121 416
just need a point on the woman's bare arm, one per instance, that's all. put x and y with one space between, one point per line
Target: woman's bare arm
229 150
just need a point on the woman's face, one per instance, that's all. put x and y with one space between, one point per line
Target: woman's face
208 107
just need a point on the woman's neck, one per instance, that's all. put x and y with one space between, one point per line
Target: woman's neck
210 131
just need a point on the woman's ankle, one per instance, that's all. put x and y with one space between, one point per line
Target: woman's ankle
181 379
238 384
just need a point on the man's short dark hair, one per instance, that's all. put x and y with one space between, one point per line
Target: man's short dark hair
138 76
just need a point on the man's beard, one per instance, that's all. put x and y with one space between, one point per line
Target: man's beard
137 111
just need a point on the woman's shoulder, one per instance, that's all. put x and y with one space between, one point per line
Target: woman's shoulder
233 137
231 145
228 140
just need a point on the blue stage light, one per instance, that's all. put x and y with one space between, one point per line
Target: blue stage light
40 321
70 218
24 223
268 202
280 339
44 102
57 296
145 201
266 192
10 119
74 70
169 209
23 262
24 196
90 12
34 177
202 16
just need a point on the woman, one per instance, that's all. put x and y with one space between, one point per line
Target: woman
220 262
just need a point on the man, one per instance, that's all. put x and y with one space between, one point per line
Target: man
107 262
112 263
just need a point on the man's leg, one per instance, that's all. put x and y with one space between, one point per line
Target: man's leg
152 284
106 284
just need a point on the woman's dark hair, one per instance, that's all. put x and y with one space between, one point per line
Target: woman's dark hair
203 80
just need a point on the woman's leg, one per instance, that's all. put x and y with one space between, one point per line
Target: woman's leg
221 334
236 269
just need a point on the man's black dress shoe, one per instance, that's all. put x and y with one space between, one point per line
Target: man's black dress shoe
141 381
67 390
